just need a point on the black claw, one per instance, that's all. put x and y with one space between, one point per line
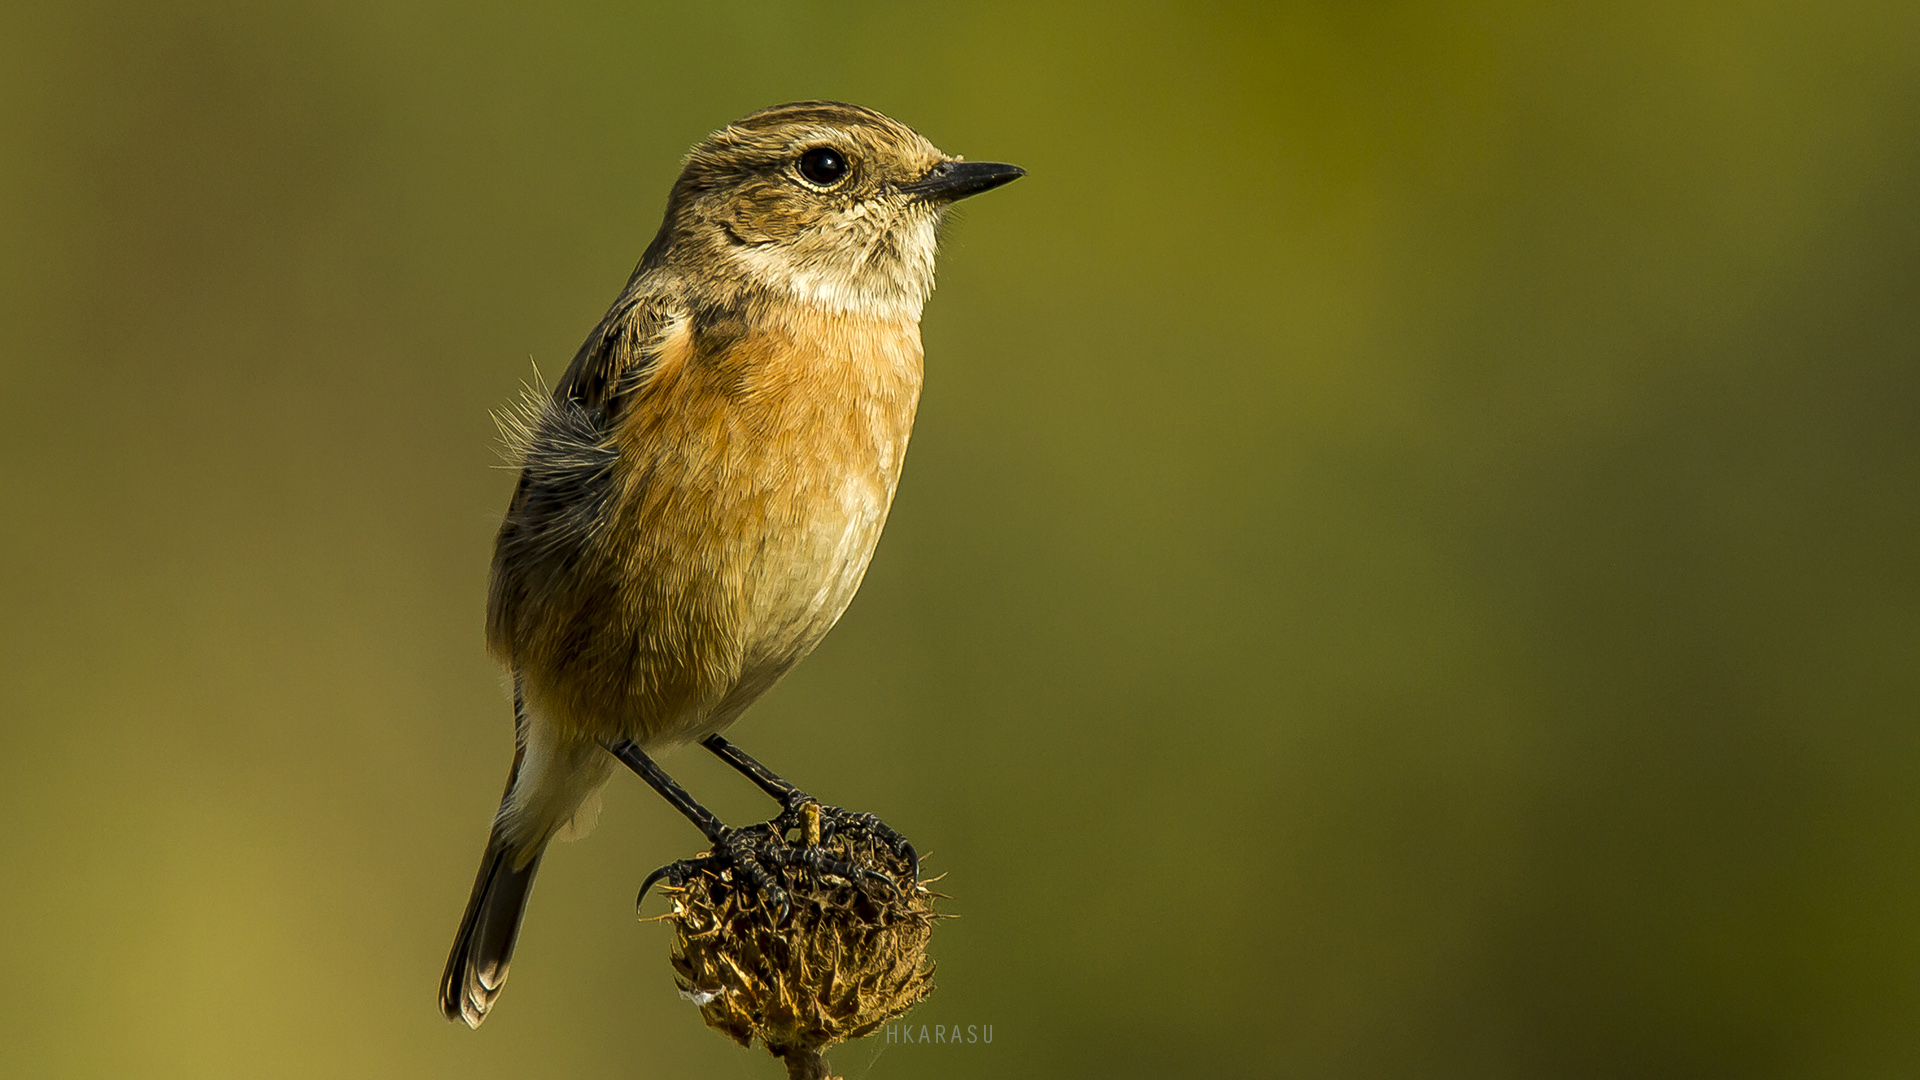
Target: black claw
738 855
905 851
675 874
648 884
885 881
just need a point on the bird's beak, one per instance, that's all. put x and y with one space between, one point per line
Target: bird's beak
953 180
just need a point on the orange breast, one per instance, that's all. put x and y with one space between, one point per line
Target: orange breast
755 470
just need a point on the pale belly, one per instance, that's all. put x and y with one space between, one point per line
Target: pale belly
802 584
803 576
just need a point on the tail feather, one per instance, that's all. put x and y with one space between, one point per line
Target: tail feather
477 967
553 790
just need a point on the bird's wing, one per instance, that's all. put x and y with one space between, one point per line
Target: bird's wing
618 352
565 445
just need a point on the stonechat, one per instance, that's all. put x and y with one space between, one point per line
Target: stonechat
701 492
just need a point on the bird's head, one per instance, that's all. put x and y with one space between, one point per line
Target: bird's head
829 204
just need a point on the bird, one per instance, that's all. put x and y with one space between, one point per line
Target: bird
700 493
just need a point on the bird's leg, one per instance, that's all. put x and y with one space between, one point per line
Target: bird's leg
636 759
770 782
740 850
819 823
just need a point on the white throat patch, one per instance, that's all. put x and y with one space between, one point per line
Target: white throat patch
893 285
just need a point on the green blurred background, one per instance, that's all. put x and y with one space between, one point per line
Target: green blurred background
1408 565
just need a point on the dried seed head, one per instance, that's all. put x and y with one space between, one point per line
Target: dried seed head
841 961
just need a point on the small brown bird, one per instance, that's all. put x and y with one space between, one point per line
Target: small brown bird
701 493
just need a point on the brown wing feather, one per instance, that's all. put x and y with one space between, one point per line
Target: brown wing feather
567 468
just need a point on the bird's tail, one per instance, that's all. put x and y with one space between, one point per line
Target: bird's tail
477 967
553 792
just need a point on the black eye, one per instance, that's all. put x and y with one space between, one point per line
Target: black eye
823 165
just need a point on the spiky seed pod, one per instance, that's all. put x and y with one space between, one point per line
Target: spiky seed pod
845 959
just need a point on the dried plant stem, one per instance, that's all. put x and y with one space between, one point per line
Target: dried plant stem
806 1064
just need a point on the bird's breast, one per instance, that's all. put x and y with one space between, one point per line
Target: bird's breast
755 474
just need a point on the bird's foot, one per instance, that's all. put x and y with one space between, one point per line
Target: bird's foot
796 851
815 825
739 859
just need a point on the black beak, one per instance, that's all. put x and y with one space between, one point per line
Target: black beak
951 180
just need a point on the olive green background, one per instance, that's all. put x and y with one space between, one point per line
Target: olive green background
1409 564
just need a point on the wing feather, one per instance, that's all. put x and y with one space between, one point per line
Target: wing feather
567 461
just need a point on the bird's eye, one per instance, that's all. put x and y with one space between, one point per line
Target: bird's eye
823 165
